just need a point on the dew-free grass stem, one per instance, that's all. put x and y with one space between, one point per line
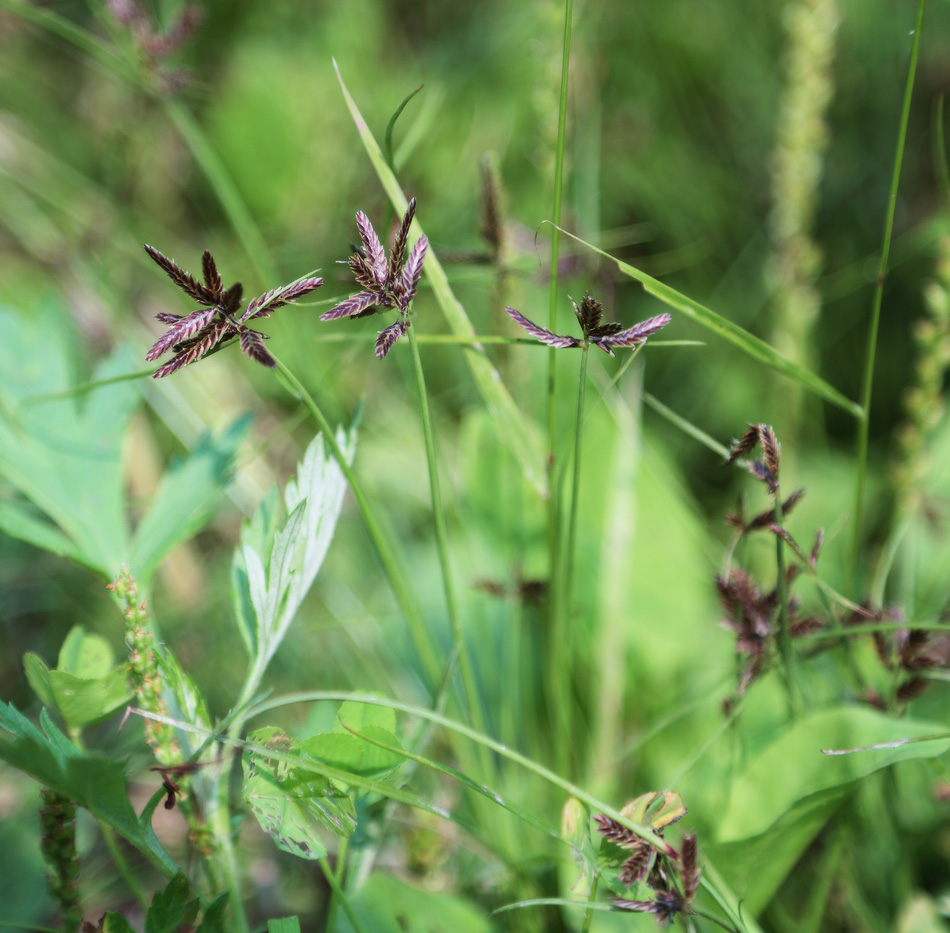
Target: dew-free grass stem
441 537
786 650
419 634
867 380
562 653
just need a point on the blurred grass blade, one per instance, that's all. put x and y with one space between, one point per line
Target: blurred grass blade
687 427
514 430
753 346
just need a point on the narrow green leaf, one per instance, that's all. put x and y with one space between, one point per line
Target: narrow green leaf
514 430
739 337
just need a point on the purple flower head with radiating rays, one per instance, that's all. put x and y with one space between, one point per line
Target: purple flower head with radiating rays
220 318
589 314
387 283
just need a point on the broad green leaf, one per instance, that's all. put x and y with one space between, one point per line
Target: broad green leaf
172 908
292 804
94 782
514 430
384 904
284 925
793 766
354 754
65 454
784 797
356 717
185 499
755 347
81 700
19 520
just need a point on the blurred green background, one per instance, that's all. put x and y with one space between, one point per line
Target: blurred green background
675 109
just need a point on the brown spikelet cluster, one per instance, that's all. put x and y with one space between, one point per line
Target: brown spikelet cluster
155 44
906 653
767 469
219 319
388 284
672 876
589 315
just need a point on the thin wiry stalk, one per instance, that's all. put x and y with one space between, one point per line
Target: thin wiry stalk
385 553
561 643
784 635
553 523
441 537
871 350
591 900
339 896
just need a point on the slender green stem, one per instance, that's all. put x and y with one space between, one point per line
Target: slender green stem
339 897
384 551
591 899
553 522
871 349
562 694
441 537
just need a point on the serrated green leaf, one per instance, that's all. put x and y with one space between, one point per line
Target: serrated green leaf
185 499
172 908
356 717
85 654
515 431
292 804
93 782
37 676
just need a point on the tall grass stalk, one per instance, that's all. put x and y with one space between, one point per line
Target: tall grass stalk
867 381
562 647
387 555
553 505
441 537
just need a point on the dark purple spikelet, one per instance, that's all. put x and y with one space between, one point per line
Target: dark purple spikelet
690 870
546 336
589 315
666 906
206 330
388 336
616 832
766 469
638 866
386 283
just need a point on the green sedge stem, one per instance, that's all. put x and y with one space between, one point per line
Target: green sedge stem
871 350
441 537
339 897
562 588
553 523
591 899
384 551
784 635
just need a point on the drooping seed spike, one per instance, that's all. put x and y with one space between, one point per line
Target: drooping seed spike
388 337
184 329
252 345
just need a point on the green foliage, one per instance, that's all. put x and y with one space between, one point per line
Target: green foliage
84 687
290 803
